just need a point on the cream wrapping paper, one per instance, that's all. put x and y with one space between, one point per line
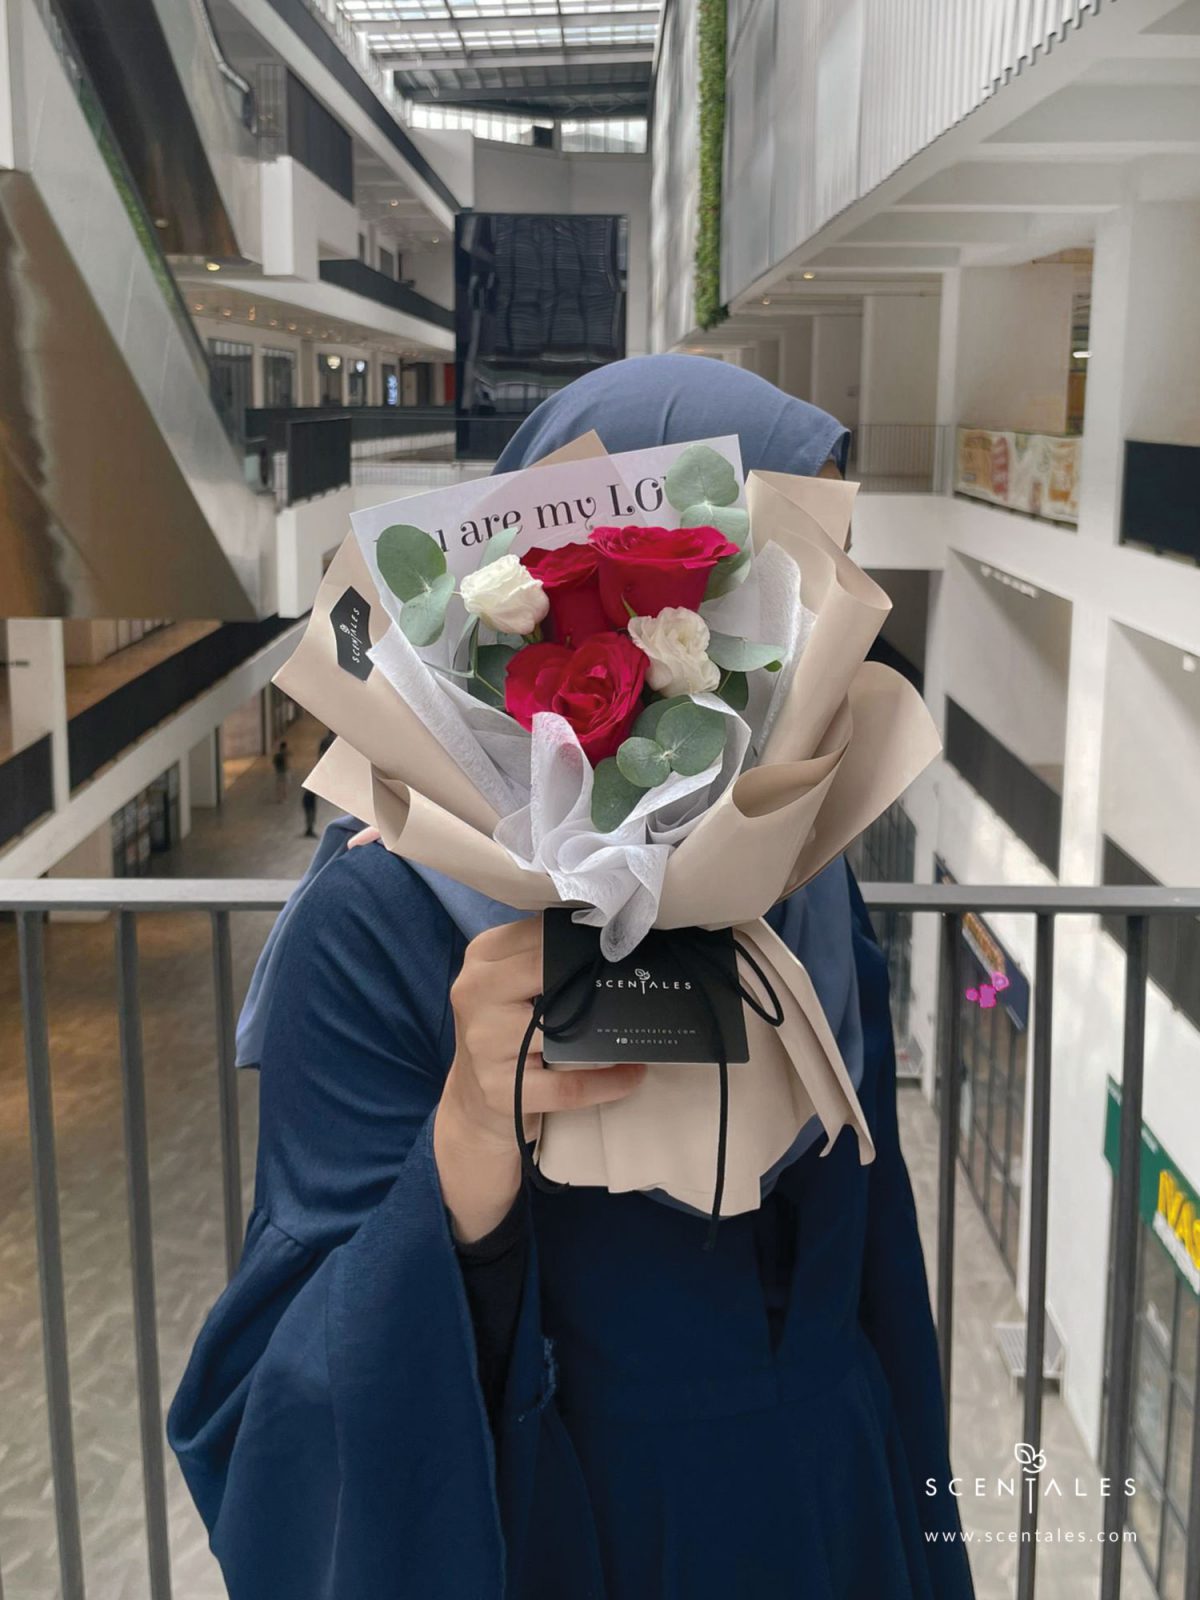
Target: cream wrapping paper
849 739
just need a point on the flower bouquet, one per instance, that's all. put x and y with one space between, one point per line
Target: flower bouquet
633 686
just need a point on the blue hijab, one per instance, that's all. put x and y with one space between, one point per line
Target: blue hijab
633 405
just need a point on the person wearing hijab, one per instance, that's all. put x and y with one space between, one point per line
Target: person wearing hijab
428 1379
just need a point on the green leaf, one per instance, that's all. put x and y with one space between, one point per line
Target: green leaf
613 796
742 655
409 560
727 575
644 762
423 618
646 726
732 521
700 473
693 737
734 689
465 637
491 668
499 544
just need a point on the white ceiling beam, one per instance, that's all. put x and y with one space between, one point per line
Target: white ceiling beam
894 258
1019 186
914 227
1160 116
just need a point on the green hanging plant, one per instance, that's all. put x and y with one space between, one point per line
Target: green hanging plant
711 29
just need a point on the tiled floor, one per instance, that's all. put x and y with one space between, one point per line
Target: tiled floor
252 835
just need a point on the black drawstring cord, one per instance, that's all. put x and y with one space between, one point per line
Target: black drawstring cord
592 969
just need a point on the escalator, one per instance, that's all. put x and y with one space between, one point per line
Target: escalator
124 488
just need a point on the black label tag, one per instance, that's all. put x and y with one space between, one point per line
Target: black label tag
656 1005
351 619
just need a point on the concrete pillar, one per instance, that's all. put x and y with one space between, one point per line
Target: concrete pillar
897 400
836 366
795 358
37 691
185 797
1144 344
1014 347
204 771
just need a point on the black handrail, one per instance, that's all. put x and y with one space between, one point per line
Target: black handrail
359 278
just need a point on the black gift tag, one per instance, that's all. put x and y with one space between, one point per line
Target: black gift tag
649 1007
351 619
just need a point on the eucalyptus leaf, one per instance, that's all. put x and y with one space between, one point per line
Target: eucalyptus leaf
491 669
727 575
613 796
700 473
735 691
646 726
644 762
741 655
693 737
410 560
499 544
732 521
465 637
423 618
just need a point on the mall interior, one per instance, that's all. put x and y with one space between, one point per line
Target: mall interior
267 262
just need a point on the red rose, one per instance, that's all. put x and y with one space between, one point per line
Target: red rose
597 688
655 567
571 579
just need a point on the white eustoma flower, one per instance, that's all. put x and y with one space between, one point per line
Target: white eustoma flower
505 596
676 640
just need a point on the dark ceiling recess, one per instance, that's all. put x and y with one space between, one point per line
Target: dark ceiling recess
582 90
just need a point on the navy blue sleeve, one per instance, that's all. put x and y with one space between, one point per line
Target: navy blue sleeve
894 1308
330 1424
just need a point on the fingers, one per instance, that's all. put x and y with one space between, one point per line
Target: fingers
363 836
582 1087
501 966
510 938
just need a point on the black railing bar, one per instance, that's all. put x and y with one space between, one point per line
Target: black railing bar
266 894
948 1065
227 1092
1125 1243
49 1249
1191 1582
141 1256
1039 1217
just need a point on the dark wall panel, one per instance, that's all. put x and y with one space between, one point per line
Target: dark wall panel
540 301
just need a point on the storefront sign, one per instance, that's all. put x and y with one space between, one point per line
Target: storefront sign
1037 473
991 955
1167 1202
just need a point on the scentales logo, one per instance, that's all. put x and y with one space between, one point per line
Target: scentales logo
644 983
1029 1483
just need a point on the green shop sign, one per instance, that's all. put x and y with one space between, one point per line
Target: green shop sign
1168 1203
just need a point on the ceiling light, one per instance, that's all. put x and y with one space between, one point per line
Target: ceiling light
274 324
213 266
808 276
291 327
393 202
1189 663
161 222
227 312
333 362
200 307
766 299
1080 355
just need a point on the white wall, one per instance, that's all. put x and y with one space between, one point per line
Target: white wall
899 358
674 133
1007 655
517 178
1150 777
303 220
837 365
432 270
1014 347
795 357
307 534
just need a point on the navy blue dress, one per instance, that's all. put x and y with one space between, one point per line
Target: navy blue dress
664 1434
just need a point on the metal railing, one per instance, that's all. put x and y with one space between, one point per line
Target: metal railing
30 901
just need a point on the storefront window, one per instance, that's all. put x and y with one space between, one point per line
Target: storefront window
357 377
232 367
279 378
329 380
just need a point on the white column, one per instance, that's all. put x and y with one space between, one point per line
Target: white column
836 366
204 771
795 358
37 688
